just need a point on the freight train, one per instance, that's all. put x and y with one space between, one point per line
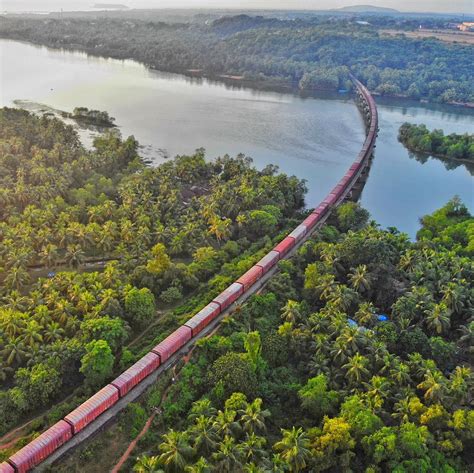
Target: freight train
43 446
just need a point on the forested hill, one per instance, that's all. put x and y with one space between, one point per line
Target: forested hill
313 53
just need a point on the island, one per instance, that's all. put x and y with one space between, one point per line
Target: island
91 117
418 139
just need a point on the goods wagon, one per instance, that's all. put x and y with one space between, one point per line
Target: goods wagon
284 246
311 220
136 373
298 233
269 260
229 295
92 408
6 468
251 276
173 343
41 447
203 318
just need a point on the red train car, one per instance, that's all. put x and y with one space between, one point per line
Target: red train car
173 343
298 233
311 220
41 447
285 246
136 373
87 412
6 468
203 318
269 260
229 295
251 277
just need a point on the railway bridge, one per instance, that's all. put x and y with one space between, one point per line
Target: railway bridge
87 419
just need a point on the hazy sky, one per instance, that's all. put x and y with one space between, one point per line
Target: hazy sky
465 6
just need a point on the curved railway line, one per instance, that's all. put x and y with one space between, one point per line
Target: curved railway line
89 417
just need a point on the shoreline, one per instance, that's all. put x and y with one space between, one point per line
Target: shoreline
272 84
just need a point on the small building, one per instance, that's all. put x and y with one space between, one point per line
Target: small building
466 26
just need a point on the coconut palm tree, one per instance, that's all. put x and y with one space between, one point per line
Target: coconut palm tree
253 416
74 255
228 457
356 368
53 332
225 423
201 466
253 447
175 450
359 279
365 315
291 312
17 277
146 464
438 319
204 435
434 385
202 407
14 352
294 448
49 255
32 335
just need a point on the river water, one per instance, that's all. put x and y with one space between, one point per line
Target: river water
313 138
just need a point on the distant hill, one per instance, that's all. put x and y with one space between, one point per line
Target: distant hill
367 8
110 6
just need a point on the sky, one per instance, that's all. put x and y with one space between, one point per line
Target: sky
461 6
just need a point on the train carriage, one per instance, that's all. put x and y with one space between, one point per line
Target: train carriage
87 412
41 447
172 343
203 318
250 277
136 373
229 295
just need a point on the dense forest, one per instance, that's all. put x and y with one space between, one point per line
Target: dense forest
419 139
306 53
92 243
356 357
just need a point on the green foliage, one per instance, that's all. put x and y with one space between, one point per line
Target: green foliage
315 52
236 373
133 419
139 306
418 138
316 399
350 216
97 363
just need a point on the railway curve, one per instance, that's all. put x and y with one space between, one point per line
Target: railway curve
87 419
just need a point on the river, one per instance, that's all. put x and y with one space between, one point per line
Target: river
314 138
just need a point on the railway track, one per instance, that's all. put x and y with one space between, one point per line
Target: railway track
87 419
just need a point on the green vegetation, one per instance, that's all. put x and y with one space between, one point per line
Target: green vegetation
307 377
119 240
419 139
92 117
309 53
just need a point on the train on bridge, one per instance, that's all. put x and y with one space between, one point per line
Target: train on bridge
63 431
